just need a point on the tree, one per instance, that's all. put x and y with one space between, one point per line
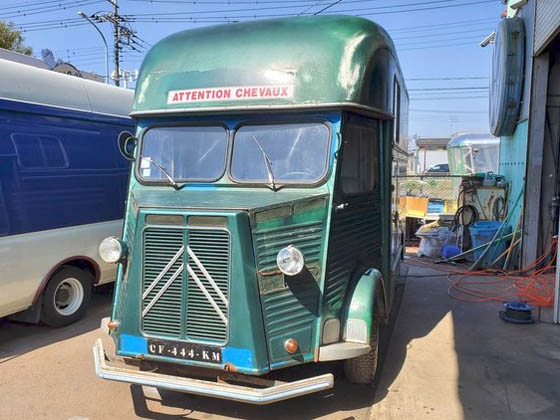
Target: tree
12 39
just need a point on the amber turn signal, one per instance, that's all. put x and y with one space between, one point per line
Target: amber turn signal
291 345
112 325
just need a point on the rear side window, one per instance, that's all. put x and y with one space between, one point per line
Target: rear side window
37 151
359 173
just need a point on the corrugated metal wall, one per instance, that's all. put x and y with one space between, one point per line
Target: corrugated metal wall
547 23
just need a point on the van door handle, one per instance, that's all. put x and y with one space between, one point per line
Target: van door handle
341 206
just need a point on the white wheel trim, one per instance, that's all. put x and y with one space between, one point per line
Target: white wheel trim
75 298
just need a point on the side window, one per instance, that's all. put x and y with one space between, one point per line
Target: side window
37 151
359 173
396 112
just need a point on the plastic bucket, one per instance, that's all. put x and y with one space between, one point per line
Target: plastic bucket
484 232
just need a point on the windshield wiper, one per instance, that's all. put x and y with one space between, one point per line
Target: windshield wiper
164 170
268 163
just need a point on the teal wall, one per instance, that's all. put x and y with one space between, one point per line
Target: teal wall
513 156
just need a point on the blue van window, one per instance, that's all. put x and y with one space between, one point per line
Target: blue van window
35 151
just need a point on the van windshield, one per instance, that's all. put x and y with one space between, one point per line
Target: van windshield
288 153
184 153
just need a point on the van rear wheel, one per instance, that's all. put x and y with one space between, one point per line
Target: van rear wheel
362 369
66 297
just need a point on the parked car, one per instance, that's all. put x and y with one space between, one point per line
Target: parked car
440 168
258 231
62 189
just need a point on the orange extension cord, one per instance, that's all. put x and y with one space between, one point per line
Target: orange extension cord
536 288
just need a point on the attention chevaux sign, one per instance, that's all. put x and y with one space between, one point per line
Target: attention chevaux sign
232 93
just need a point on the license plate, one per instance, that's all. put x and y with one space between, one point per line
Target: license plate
186 351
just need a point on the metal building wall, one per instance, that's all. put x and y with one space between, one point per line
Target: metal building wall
547 23
513 149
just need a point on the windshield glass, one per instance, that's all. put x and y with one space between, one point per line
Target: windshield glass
185 153
289 153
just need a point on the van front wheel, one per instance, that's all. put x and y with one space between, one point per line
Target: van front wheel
66 297
362 369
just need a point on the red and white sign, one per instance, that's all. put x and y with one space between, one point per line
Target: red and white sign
232 93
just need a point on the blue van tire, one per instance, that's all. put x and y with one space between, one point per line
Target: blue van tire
66 296
362 369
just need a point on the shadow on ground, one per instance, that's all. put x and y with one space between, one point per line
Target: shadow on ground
344 397
496 370
17 338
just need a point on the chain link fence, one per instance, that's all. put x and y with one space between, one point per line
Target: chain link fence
420 194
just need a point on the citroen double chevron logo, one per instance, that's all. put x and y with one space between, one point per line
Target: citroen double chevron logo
194 276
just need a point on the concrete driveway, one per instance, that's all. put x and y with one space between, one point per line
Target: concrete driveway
446 360
449 359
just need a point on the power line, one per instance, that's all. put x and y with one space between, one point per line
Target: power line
470 31
62 26
123 35
472 44
64 50
26 4
429 8
447 24
154 15
327 7
48 22
197 3
473 38
49 9
46 25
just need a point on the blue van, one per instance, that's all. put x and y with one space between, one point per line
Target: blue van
63 182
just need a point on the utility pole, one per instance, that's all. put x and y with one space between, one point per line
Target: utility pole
123 36
116 38
119 32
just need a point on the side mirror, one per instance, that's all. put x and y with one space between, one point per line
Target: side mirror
127 144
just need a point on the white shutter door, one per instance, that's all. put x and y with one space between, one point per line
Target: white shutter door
547 23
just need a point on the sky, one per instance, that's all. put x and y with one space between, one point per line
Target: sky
446 70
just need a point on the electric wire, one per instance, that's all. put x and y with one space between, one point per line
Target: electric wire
50 9
533 284
175 13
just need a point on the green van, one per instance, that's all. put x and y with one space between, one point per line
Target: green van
261 229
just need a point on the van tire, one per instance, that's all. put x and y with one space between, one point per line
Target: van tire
66 296
362 369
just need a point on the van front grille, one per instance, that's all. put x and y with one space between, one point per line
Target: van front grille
204 322
186 283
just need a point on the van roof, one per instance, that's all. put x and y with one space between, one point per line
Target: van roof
306 62
24 83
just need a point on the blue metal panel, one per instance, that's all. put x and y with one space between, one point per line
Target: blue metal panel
513 153
59 168
133 345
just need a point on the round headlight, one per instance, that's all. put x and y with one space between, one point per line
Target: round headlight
111 250
290 260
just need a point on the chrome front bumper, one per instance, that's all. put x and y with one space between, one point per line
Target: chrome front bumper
223 390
